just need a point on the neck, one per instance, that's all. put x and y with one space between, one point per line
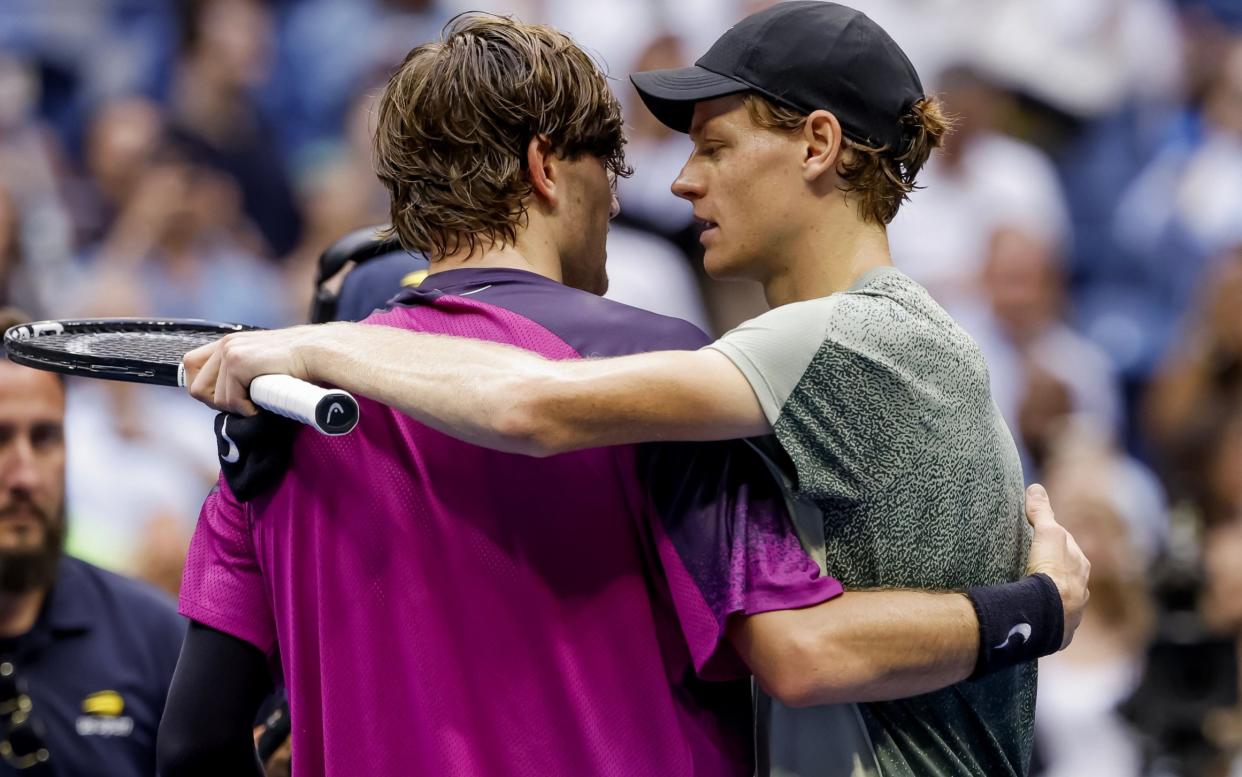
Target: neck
827 257
18 612
531 253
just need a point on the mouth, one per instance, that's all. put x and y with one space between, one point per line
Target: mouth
707 228
22 513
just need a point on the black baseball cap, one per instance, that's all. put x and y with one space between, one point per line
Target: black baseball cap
807 55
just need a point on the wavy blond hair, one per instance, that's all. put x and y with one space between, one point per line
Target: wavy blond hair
455 120
879 178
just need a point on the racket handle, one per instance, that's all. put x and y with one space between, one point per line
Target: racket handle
330 411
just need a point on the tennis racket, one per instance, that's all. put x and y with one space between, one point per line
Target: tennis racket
150 351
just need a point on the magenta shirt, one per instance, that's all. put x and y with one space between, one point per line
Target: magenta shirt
442 609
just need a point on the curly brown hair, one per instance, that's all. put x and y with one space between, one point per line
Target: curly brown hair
881 181
456 118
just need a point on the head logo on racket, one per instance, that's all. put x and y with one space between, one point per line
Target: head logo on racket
335 407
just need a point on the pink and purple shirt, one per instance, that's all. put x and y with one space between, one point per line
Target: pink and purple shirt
443 609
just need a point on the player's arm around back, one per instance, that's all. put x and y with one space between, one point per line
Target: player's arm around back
490 394
882 645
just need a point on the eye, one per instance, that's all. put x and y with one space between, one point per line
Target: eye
711 149
47 435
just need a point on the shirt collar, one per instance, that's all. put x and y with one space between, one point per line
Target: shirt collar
467 280
872 275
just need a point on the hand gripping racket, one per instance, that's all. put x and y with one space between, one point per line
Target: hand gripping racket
150 351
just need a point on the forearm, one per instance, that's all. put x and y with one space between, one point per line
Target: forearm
470 389
217 688
887 654
513 400
862 646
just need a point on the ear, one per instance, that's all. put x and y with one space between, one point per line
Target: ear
541 167
822 135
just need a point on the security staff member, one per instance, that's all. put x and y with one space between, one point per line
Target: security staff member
86 656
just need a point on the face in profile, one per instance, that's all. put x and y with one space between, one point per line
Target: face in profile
745 184
32 476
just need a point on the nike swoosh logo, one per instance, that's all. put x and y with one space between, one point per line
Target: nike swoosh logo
1023 630
234 454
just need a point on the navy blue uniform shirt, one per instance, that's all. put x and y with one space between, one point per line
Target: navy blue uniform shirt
372 284
97 665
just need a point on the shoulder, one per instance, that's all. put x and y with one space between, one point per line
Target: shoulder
596 326
888 324
887 306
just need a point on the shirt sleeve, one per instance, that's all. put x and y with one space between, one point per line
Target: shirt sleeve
222 586
775 349
726 544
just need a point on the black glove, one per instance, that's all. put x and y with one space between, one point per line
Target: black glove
254 451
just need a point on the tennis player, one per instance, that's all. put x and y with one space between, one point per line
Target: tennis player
491 614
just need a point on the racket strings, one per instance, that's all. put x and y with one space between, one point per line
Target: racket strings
152 347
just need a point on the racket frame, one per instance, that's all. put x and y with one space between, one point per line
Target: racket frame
21 342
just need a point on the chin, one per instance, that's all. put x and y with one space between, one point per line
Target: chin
723 267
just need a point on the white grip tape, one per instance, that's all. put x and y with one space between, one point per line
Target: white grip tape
292 397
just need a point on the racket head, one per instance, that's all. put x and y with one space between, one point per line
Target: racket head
138 350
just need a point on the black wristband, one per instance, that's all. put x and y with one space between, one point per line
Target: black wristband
1018 622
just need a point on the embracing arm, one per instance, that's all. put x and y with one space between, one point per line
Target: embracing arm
861 646
882 645
494 395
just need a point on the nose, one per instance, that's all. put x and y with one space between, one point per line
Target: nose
614 208
688 185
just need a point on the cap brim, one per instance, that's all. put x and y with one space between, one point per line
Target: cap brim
671 94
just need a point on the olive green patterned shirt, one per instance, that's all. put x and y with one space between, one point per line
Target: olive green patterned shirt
882 404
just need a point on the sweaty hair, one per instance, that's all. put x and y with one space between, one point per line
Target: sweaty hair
879 178
457 116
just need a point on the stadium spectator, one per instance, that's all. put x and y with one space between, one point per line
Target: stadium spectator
225 53
12 282
983 180
1221 501
86 656
182 241
1182 205
1199 385
1221 606
331 48
1023 332
1078 724
337 194
31 160
122 141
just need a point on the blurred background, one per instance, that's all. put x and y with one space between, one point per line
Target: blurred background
1084 224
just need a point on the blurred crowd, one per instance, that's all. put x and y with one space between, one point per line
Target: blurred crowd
1084 223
